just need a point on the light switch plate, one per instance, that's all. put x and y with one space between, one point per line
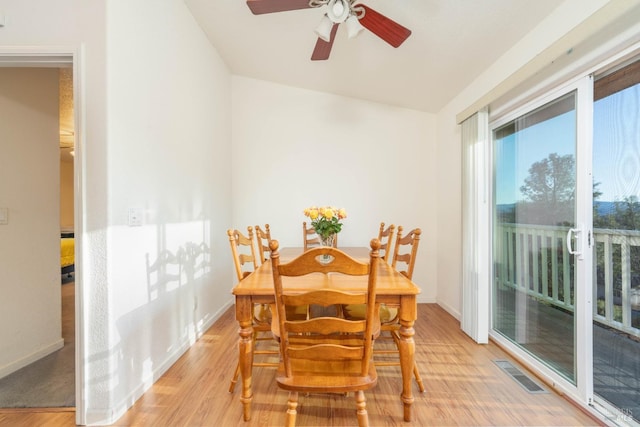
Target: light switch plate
4 216
135 217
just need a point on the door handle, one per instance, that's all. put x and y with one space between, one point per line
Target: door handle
578 235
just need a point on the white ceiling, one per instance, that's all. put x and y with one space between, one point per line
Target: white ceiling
452 41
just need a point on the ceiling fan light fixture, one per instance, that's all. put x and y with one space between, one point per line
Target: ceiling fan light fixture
338 10
354 27
323 30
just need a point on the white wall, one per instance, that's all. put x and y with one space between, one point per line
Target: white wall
294 148
169 146
153 135
30 319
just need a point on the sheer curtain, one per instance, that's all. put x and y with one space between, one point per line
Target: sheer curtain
476 246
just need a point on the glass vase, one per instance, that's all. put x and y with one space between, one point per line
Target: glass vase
327 241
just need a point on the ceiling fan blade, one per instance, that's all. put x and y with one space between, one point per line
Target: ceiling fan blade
323 48
383 27
258 7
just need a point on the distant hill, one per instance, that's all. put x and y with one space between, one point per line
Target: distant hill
505 208
605 208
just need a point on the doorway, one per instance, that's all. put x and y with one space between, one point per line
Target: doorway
37 110
64 58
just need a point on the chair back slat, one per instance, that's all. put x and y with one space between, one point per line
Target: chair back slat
310 238
262 241
237 240
408 243
324 298
385 235
326 326
245 258
311 262
327 352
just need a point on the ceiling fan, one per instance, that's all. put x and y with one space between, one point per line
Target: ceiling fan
355 16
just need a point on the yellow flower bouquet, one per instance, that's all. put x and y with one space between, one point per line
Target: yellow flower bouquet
326 219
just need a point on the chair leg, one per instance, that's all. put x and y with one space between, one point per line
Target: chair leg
361 409
234 380
291 410
416 373
418 377
236 374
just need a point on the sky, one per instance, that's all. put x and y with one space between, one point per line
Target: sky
616 148
616 144
516 153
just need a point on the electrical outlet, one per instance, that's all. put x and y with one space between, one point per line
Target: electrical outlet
135 217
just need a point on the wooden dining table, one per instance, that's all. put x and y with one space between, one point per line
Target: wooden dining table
392 288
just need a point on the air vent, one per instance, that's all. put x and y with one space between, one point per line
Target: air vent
520 377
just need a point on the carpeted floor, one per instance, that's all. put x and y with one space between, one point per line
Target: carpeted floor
49 382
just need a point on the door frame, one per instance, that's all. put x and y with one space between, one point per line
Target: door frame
61 57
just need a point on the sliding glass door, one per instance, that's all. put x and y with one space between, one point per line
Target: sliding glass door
565 282
539 235
616 217
535 181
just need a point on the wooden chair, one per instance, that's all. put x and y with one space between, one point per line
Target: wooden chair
310 238
326 354
389 314
246 255
243 252
262 240
385 236
410 241
405 251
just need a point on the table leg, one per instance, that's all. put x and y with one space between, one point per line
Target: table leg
407 348
245 351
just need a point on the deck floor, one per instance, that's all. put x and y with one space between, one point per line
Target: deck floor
548 333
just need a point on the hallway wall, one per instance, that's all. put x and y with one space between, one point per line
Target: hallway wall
30 242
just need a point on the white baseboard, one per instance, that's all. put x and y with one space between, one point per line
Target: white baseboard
30 358
425 300
455 313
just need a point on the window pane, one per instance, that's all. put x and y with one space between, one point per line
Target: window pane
616 218
534 188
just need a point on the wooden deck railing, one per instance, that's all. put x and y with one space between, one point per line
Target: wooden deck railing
534 259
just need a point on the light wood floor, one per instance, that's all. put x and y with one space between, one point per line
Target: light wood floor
464 388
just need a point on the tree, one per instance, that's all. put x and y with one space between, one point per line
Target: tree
549 190
551 180
627 213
